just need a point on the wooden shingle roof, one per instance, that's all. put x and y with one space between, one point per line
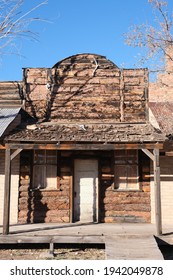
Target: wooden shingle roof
105 133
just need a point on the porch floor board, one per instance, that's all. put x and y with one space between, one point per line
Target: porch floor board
122 241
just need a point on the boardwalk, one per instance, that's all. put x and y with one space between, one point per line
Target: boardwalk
122 241
132 247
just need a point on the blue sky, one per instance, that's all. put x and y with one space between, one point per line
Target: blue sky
78 26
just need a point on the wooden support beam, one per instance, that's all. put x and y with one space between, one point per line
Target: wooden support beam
157 192
84 146
121 96
71 198
148 153
2 147
51 249
7 186
14 154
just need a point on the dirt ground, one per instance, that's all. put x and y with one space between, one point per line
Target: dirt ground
64 253
73 253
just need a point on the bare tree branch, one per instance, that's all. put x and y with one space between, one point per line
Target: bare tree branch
153 40
14 23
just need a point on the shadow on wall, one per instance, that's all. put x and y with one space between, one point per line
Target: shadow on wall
32 208
37 210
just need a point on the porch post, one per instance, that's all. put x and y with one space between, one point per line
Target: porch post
157 192
6 215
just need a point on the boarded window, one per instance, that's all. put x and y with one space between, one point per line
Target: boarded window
126 169
45 169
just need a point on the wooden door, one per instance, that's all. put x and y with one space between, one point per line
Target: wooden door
85 190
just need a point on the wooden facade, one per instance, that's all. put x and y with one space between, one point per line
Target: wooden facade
54 205
84 109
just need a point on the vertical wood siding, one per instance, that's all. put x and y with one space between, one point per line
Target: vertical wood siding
166 174
14 187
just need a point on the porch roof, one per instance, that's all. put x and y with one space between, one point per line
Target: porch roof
52 132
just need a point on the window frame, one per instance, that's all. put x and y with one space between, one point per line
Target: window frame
124 160
45 165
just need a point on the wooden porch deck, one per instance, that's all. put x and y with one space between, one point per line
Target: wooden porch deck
122 241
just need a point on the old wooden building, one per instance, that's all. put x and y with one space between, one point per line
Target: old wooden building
84 146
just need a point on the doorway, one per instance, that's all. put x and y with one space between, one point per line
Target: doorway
86 190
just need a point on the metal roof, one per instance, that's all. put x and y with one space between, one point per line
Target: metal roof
7 115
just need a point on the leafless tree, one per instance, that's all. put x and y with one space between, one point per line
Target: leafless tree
154 39
14 23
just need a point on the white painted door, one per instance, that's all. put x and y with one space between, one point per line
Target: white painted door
85 190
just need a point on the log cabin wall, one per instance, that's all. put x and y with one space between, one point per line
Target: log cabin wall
124 205
131 206
56 205
44 205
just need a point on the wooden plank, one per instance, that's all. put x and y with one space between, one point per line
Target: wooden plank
67 239
79 239
122 97
22 239
84 146
2 147
51 248
71 192
14 154
6 216
149 154
169 154
58 169
157 192
132 247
